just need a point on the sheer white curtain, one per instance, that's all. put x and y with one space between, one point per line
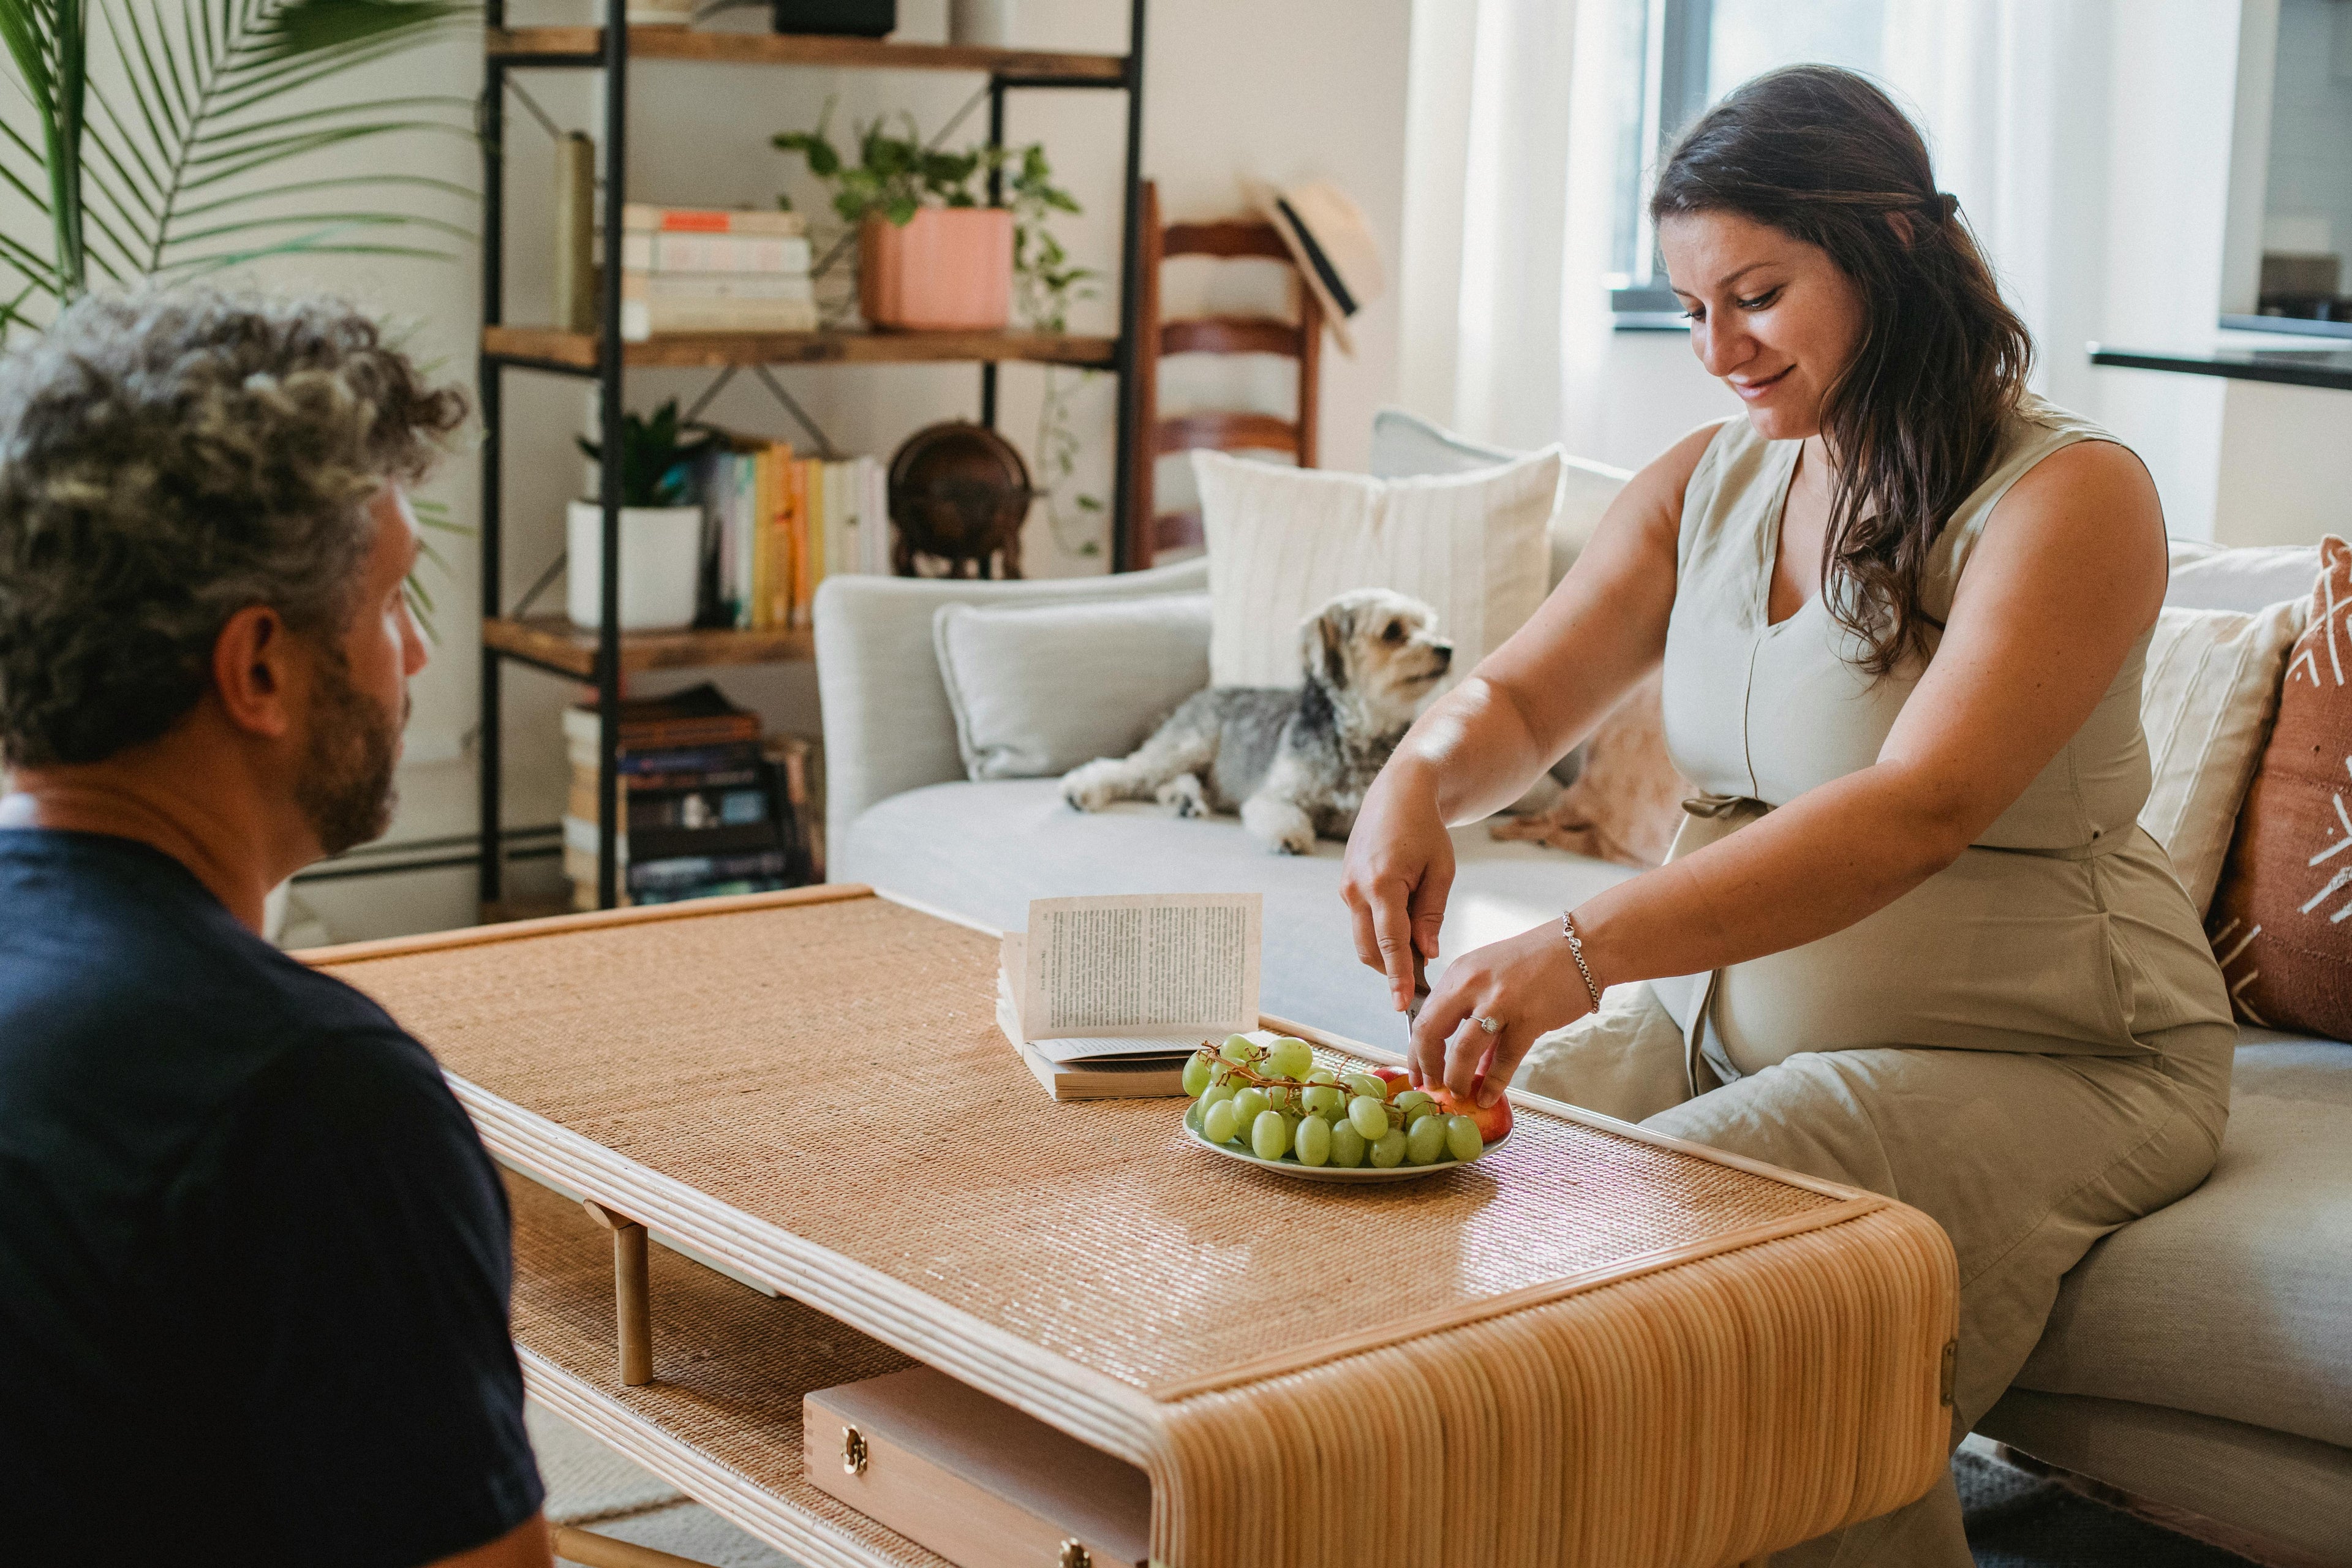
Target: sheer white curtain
1510 202
1487 138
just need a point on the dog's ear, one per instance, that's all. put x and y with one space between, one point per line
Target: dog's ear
1323 643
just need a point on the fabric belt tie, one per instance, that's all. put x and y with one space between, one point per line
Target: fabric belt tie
1714 807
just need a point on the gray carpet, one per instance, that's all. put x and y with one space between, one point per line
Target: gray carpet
2015 1520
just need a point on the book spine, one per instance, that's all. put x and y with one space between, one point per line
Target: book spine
763 538
643 318
647 217
574 277
776 255
717 289
678 759
819 523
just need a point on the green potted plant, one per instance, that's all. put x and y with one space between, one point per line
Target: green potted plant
661 534
929 255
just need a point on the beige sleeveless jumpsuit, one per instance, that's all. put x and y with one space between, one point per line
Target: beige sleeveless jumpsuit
2033 1045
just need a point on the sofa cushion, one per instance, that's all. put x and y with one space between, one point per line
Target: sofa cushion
2232 1302
1284 542
2279 924
2243 577
1027 682
2206 702
1405 444
984 850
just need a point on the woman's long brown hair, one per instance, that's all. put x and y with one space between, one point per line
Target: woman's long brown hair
1915 420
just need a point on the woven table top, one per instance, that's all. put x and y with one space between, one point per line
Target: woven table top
834 1068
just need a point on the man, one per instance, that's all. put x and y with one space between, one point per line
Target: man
252 1259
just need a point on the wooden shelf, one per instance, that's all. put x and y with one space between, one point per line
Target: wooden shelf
553 642
710 351
586 45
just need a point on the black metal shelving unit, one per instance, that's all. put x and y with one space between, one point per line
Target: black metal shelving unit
603 653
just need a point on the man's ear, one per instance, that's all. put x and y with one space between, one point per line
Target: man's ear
253 672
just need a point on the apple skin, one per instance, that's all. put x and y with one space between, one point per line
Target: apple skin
1494 1121
1397 1079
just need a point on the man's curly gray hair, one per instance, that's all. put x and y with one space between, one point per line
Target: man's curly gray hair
167 459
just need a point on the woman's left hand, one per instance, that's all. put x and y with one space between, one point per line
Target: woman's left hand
1530 984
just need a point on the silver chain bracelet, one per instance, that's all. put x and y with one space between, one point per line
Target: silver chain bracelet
1576 948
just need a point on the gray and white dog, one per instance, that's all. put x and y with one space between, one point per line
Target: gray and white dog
1295 763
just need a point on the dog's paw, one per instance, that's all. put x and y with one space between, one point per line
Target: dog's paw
1184 796
1280 824
1089 787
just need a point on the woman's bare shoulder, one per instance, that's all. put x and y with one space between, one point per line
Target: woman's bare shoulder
1655 490
2089 510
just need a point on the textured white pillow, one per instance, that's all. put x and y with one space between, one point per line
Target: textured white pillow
1283 541
1405 444
1037 689
2207 703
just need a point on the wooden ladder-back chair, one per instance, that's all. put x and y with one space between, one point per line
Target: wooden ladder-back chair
1223 431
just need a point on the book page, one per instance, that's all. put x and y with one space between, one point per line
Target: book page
1092 1049
1141 966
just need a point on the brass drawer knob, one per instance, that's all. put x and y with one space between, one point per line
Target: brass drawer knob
1075 1556
852 1451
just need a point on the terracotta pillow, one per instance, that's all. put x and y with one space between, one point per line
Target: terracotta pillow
2282 922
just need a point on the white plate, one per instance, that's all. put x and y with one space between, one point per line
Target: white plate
1288 1165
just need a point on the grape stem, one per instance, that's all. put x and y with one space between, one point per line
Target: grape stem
1224 1070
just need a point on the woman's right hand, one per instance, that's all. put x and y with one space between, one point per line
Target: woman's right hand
1398 871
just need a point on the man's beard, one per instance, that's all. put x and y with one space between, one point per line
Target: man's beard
345 791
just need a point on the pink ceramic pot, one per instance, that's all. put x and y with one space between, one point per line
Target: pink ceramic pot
948 269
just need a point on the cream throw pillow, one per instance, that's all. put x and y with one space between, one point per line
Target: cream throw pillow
1283 541
2207 703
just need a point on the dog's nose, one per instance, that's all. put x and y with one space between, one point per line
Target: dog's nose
1444 652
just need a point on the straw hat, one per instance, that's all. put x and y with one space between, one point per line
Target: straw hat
1332 244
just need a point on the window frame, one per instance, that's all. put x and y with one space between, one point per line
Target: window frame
1678 38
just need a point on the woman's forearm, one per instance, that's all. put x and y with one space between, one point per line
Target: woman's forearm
1475 748
1828 858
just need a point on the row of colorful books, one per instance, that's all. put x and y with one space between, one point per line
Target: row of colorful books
781 524
707 804
704 269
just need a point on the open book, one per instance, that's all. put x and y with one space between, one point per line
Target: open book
1107 997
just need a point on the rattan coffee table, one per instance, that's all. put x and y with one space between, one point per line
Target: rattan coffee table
1594 1346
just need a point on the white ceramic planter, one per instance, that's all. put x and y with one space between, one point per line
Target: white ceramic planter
986 23
661 561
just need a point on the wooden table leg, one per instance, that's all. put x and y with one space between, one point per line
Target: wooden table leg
631 1292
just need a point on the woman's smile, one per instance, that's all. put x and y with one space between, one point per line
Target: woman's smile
1756 389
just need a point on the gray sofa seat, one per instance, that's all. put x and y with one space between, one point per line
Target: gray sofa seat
2237 1300
984 850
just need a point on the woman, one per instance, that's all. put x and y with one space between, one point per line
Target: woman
1911 936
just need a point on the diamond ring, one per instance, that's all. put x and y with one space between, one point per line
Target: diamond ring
1492 1025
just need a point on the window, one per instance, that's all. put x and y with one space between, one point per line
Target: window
1674 57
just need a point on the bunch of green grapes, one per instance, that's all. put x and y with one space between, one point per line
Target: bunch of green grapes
1276 1100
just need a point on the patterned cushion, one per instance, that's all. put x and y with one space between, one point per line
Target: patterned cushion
2282 923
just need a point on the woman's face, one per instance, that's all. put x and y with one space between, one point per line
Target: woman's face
1772 316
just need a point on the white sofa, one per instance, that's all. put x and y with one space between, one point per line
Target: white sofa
2200 1357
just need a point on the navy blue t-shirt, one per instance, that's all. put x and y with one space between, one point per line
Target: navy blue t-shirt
254 1262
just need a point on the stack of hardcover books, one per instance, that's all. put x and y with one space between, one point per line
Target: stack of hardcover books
779 525
704 269
703 809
